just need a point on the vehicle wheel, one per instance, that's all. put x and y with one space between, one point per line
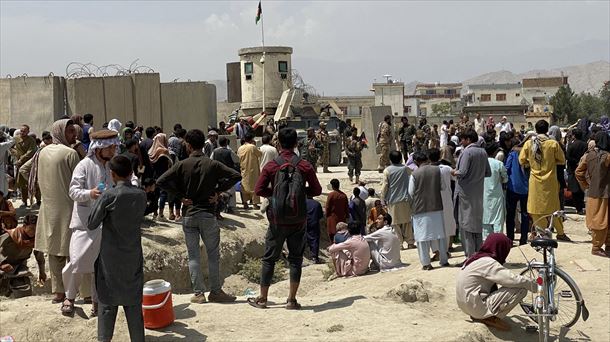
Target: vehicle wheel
566 294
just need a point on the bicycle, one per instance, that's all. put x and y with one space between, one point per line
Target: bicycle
555 286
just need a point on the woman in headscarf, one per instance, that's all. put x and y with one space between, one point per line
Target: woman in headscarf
126 135
161 162
78 145
477 291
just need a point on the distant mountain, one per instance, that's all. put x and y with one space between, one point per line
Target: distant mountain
221 89
587 78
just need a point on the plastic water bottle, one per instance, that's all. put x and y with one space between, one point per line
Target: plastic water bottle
7 339
249 293
101 186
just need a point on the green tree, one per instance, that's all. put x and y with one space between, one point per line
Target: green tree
562 101
604 95
441 108
587 105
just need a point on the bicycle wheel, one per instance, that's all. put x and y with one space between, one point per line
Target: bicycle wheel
567 297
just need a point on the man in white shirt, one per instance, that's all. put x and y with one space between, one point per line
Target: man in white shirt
269 152
504 125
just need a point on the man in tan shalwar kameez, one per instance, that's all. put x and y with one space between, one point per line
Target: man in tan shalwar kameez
54 170
593 173
249 163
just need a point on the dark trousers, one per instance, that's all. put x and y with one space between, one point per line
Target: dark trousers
313 240
354 165
578 197
511 208
274 241
162 200
107 318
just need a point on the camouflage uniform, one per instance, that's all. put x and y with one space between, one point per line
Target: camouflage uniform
385 138
310 150
354 158
406 135
324 139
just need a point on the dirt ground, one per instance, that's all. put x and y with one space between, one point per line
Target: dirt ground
367 308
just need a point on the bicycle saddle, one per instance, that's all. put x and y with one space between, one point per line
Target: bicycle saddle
546 243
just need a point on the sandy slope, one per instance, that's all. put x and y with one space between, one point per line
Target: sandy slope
341 309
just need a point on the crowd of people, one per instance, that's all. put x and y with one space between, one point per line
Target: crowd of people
470 183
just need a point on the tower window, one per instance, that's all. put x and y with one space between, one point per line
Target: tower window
282 66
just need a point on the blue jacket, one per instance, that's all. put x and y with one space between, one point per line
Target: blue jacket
517 179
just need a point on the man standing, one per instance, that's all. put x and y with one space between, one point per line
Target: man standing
211 144
353 151
405 134
277 234
324 139
479 124
357 209
87 130
119 212
494 211
89 179
226 156
314 215
472 168
504 125
576 149
250 165
54 170
593 173
23 150
425 188
198 180
395 193
310 148
542 155
145 145
337 208
268 152
384 139
448 219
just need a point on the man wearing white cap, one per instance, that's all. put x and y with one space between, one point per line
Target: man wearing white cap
89 179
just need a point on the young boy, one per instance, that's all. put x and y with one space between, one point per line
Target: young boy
119 266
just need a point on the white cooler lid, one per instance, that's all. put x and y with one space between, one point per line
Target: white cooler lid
156 286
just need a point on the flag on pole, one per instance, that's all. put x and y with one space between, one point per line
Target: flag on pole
259 12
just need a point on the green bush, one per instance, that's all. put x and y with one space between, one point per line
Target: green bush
251 270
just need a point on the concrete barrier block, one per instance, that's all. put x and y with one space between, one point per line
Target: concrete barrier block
147 97
86 95
37 101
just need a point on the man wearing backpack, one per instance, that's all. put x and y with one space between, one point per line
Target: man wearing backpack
283 181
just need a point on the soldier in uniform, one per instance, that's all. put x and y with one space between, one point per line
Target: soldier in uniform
405 136
384 139
324 139
310 148
354 156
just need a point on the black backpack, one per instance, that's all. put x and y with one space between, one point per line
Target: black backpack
288 204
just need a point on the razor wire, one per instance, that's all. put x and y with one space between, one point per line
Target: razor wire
78 69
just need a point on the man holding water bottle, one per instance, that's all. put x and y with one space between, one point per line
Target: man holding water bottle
89 180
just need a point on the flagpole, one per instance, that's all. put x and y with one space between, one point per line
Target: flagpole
263 40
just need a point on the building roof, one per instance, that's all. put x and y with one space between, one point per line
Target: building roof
438 85
496 108
495 86
257 50
540 82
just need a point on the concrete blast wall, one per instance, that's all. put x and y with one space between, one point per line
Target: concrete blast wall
134 97
36 101
371 117
192 104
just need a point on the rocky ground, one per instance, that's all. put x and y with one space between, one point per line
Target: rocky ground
408 304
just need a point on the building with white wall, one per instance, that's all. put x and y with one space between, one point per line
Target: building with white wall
390 94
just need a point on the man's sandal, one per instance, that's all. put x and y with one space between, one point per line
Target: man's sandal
57 300
258 302
67 307
292 304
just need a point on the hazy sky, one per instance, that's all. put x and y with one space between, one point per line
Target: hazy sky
340 47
